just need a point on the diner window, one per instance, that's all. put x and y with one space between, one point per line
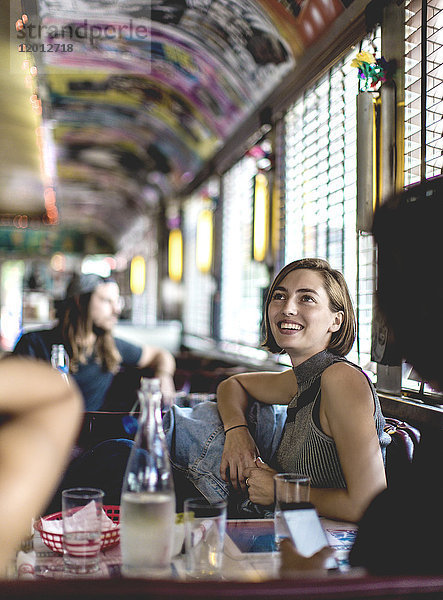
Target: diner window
321 191
423 124
423 89
243 280
199 284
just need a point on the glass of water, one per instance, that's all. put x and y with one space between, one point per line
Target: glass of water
290 489
205 526
82 527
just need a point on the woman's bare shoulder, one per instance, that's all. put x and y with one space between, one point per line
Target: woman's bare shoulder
345 380
342 370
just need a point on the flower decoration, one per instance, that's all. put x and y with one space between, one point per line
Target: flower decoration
362 58
371 70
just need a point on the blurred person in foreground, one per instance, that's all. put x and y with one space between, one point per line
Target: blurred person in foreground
39 420
86 321
401 532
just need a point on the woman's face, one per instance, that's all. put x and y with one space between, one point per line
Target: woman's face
105 306
299 315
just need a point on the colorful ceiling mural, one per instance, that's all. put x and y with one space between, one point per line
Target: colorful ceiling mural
138 96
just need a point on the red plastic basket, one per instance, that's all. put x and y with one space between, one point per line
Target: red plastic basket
54 541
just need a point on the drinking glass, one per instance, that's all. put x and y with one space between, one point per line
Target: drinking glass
205 526
290 489
82 528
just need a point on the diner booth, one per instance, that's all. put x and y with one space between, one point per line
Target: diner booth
190 150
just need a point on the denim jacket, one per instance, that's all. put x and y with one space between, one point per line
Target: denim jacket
196 438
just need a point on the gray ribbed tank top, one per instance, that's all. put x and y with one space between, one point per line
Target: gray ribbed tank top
304 448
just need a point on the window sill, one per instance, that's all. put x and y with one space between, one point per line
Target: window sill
415 412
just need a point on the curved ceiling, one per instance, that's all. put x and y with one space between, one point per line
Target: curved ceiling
137 97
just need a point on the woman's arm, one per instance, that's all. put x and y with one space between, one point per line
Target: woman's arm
233 396
39 420
267 387
347 415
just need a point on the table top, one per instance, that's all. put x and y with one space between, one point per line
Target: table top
253 566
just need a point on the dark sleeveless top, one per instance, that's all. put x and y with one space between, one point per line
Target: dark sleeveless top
304 448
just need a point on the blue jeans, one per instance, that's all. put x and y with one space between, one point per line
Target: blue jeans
196 438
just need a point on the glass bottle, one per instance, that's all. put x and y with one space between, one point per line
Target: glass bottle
147 512
60 359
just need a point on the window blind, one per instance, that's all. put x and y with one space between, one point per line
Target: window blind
243 279
423 121
423 89
320 188
199 287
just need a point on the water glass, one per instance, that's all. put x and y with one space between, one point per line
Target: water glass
82 527
290 489
205 526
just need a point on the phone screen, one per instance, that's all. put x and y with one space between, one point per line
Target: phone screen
307 533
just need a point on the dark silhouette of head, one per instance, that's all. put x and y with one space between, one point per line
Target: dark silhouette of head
408 232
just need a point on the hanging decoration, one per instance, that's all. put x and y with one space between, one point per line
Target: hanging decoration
372 71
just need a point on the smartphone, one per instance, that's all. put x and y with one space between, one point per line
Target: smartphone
306 531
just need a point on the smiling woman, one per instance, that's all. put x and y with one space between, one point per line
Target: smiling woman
299 316
324 288
334 425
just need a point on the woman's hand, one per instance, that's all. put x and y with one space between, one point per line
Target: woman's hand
239 454
233 397
294 564
260 483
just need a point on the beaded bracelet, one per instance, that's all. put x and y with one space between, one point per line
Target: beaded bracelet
235 427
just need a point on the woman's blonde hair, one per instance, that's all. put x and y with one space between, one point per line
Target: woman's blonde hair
339 300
